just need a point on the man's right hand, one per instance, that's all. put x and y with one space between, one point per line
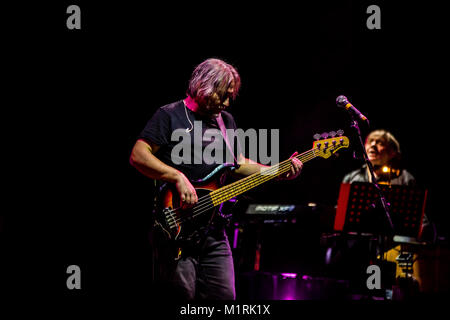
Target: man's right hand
145 161
186 190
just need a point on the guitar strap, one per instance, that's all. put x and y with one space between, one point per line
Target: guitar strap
223 129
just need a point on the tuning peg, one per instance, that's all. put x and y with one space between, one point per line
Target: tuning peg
340 132
333 134
317 136
324 135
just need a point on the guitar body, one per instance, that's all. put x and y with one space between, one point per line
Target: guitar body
181 227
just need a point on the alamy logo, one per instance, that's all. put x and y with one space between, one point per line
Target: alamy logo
74 20
257 144
374 20
74 280
374 280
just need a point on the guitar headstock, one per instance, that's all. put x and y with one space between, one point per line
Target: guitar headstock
328 143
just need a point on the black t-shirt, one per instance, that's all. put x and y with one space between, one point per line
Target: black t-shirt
194 146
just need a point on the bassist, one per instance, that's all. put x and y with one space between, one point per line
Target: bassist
203 271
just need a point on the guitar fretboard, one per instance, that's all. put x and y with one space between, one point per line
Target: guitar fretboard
236 188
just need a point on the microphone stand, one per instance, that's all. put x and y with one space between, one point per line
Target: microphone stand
384 203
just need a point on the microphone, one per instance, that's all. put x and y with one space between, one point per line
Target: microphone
342 102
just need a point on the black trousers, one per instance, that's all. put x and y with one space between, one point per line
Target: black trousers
206 272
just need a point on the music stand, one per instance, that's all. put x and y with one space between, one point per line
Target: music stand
358 212
356 206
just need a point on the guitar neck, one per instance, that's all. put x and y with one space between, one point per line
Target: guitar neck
234 189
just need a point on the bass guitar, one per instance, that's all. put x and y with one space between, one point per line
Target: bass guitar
178 224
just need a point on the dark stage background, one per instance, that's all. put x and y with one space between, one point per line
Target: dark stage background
77 99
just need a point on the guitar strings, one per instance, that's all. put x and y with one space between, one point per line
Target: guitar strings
282 168
249 179
205 202
258 177
252 178
209 205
